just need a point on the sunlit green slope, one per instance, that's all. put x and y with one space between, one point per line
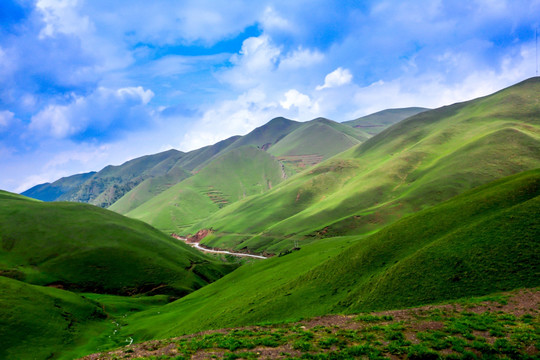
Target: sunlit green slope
414 164
239 173
85 248
482 241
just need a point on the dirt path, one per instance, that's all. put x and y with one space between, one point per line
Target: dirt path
199 247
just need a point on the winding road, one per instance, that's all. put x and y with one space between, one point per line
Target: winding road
199 247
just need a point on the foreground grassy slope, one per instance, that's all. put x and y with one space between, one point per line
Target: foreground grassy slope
503 325
85 248
482 241
414 164
238 173
37 322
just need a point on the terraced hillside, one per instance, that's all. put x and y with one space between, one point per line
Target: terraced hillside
414 164
82 247
482 241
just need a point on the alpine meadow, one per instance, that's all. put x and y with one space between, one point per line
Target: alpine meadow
269 180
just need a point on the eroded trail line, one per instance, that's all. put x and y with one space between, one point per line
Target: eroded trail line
199 247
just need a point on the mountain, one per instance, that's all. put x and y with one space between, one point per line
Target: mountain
138 180
82 247
375 123
238 173
414 164
106 186
63 188
482 241
315 141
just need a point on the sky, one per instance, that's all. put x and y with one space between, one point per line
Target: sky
88 83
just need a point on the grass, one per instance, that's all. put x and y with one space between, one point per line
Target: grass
478 243
85 248
489 331
412 165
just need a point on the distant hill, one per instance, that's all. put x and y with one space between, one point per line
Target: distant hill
414 164
63 188
275 151
82 247
375 123
482 241
142 178
106 186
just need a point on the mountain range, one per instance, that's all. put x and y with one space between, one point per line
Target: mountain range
405 207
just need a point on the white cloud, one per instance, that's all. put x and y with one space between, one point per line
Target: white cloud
295 98
271 20
61 16
336 78
137 93
105 109
301 58
6 118
257 58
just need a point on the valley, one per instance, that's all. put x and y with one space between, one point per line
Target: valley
408 233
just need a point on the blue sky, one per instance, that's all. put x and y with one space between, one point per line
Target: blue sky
87 83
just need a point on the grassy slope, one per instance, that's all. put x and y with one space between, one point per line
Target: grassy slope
482 241
414 164
238 173
503 325
320 136
86 248
377 122
37 322
148 189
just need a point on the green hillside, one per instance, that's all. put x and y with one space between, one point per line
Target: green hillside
148 189
314 141
37 322
375 123
477 243
82 247
235 175
414 164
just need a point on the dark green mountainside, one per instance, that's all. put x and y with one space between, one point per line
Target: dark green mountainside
85 248
414 164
